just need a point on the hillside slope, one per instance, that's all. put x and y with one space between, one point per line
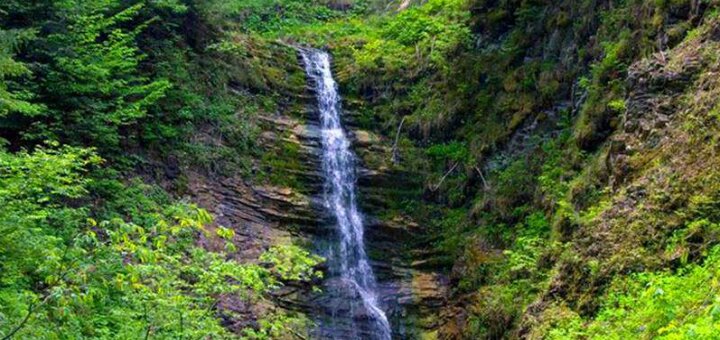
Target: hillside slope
569 166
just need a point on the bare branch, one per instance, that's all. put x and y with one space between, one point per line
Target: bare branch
395 155
444 177
486 186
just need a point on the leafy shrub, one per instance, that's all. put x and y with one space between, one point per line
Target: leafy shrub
663 305
132 268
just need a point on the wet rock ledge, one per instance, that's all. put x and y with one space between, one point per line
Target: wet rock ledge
284 205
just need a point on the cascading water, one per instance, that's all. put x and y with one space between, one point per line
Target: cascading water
355 280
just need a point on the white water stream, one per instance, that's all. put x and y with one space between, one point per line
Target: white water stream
338 165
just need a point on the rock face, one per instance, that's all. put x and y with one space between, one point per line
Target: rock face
411 291
257 214
408 294
286 206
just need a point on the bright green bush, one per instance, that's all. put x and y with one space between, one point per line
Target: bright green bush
129 269
680 305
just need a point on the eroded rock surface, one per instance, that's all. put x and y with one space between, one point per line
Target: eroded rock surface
264 214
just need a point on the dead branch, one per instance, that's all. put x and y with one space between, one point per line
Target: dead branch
486 186
444 177
395 155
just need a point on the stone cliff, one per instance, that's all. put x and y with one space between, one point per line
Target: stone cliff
285 206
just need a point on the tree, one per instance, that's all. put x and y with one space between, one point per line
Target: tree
13 99
93 86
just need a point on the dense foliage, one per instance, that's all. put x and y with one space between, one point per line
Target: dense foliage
555 212
94 93
662 305
119 269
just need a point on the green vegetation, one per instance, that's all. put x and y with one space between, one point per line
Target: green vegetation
662 305
513 111
123 268
96 99
561 157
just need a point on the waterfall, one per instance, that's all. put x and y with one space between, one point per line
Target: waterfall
349 261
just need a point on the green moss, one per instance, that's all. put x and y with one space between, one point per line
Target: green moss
281 165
